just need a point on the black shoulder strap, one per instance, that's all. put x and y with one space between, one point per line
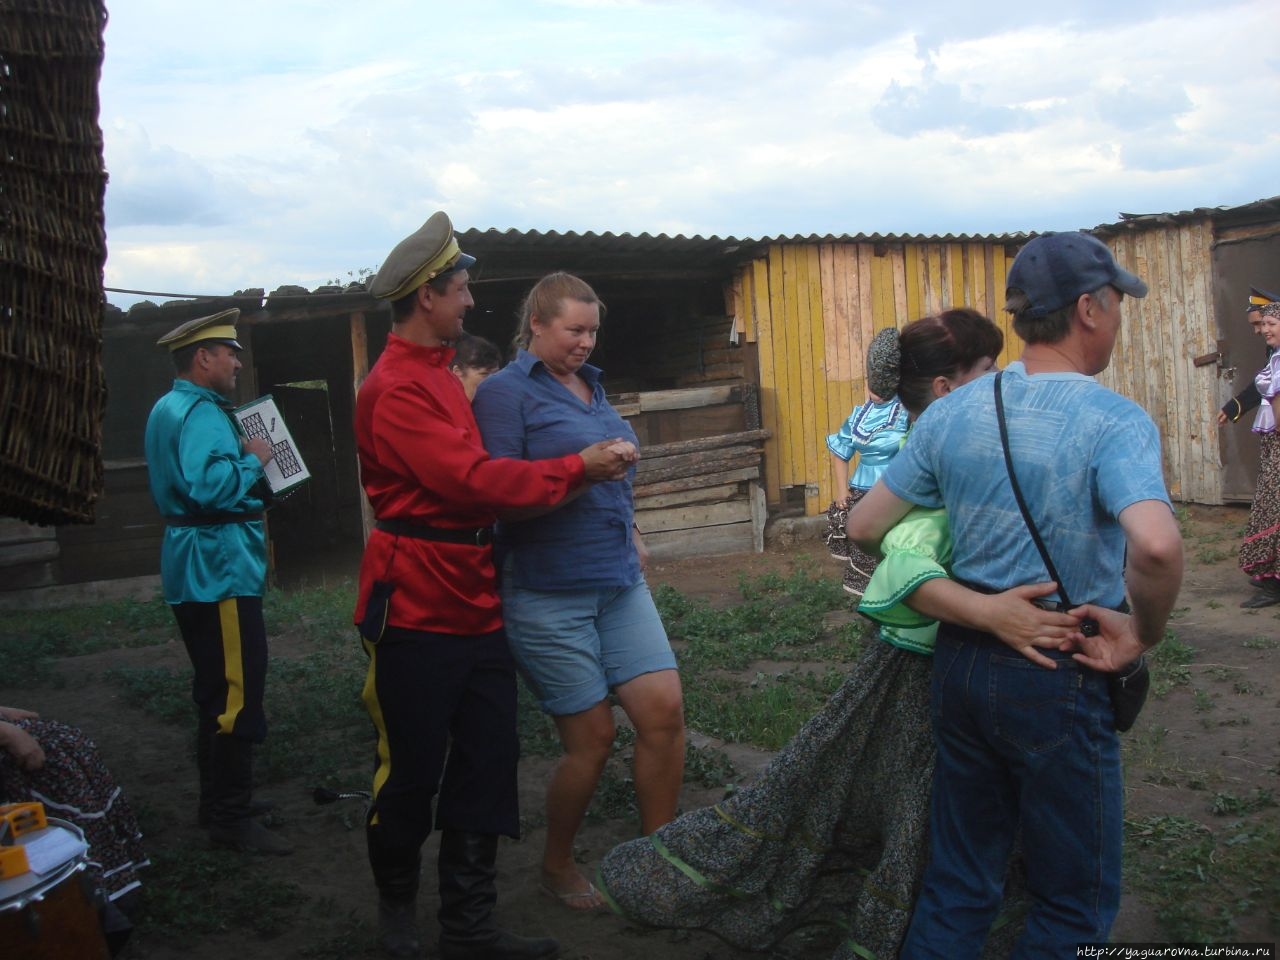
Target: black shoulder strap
1022 504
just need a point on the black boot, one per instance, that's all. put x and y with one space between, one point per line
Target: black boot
204 766
468 892
231 795
395 872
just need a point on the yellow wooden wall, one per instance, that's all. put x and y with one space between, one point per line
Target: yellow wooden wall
811 308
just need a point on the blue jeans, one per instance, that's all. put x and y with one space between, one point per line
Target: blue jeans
1020 748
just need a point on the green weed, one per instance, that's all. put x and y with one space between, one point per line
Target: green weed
1226 804
158 691
187 894
1212 555
1170 664
766 712
30 642
708 766
1261 643
779 619
1198 882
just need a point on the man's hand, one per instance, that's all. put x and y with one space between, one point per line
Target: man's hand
1022 625
609 459
1115 647
17 713
1222 418
259 448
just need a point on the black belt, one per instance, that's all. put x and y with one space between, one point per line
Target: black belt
212 519
473 536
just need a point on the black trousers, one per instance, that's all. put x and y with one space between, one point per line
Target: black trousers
227 644
444 708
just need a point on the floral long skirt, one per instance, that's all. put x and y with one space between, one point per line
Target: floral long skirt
833 832
860 564
74 784
1260 551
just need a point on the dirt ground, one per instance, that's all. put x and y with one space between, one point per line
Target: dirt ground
1226 730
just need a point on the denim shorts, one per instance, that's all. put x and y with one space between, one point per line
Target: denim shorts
574 646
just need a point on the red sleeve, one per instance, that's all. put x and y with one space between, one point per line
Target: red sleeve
432 437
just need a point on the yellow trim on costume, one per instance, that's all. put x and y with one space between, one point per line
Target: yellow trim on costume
369 697
232 663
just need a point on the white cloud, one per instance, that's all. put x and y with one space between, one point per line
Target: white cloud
290 145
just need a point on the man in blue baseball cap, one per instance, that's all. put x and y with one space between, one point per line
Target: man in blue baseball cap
1029 746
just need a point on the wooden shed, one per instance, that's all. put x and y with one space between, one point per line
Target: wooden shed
810 304
732 358
665 346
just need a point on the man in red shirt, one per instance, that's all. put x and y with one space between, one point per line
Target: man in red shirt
441 682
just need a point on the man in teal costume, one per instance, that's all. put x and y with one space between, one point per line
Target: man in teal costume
207 481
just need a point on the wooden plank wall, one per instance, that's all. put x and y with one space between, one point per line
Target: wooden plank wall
812 308
1160 336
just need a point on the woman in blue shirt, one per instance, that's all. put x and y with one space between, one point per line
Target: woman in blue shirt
579 617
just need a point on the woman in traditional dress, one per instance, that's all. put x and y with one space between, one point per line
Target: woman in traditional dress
873 433
58 766
1260 551
834 831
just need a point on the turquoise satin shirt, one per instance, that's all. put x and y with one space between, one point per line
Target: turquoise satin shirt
197 467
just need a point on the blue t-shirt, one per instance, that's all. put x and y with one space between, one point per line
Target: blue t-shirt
1082 455
874 431
525 413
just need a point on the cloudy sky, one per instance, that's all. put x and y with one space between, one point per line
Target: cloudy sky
254 143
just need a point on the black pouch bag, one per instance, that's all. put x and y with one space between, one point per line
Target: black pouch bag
374 622
1128 692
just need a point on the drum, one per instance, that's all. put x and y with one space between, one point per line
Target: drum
51 916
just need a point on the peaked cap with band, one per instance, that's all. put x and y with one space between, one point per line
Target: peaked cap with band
1259 298
218 327
429 252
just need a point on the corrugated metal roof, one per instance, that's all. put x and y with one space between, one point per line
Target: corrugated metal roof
702 249
707 250
1258 210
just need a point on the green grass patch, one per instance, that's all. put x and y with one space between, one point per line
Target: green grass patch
187 893
1211 555
316 614
1261 643
1228 804
1199 881
1171 664
31 640
157 691
766 712
778 619
316 722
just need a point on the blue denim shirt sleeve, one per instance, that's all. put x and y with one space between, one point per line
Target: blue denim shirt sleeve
523 411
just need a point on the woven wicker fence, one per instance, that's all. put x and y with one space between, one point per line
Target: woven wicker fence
52 250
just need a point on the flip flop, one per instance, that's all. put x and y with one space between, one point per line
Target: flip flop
584 900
